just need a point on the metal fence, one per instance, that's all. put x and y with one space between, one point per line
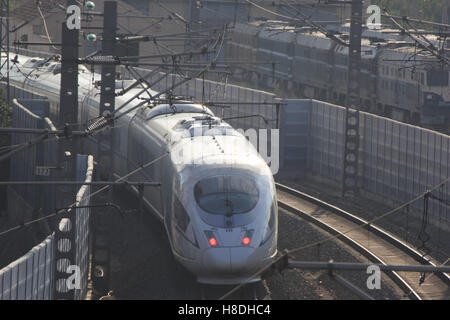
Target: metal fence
32 276
29 277
85 169
400 161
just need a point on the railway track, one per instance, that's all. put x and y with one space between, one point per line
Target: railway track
374 243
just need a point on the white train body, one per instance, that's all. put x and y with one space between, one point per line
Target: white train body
217 198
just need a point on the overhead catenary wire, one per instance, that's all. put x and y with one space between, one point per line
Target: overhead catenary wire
442 58
174 85
304 20
73 205
46 28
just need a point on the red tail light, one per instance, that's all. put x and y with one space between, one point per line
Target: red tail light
213 242
246 241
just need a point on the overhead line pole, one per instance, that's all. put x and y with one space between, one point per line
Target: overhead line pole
67 158
350 185
101 252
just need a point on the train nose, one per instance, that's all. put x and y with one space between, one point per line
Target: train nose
233 260
241 259
217 259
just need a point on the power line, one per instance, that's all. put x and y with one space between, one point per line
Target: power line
45 27
74 205
431 49
306 20
440 25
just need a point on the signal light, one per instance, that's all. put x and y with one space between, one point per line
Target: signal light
91 37
213 242
90 5
246 241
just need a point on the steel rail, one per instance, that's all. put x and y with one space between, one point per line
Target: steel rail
393 275
414 254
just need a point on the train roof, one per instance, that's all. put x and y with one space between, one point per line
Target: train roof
178 107
194 136
314 39
278 35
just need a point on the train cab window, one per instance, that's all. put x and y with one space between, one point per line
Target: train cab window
226 195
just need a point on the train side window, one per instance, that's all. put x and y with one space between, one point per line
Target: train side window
181 217
437 78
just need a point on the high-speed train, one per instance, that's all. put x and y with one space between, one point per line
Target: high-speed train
398 79
217 198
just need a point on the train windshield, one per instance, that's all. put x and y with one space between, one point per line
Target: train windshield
226 195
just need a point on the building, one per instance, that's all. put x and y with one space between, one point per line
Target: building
42 23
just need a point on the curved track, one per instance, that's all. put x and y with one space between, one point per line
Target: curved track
371 241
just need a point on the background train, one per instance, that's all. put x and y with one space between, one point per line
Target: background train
398 79
217 198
